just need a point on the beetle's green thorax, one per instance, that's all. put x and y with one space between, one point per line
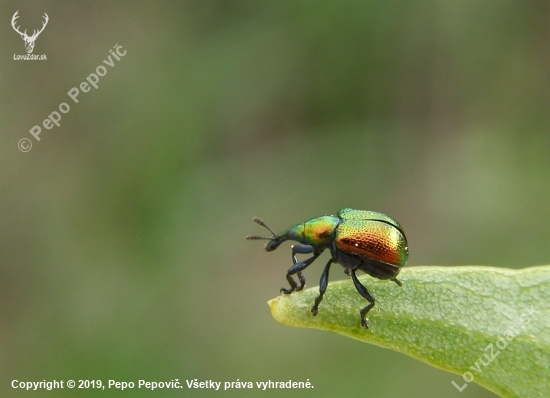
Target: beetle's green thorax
317 232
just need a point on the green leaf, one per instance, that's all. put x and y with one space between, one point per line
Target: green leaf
491 322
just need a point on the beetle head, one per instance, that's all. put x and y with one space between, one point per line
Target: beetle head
274 241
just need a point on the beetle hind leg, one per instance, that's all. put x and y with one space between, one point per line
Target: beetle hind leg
396 281
366 294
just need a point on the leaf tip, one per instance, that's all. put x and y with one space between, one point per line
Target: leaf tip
273 303
276 310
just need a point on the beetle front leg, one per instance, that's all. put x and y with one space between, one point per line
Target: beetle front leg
302 249
322 288
365 293
296 268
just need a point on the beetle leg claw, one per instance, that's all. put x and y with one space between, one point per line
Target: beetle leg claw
287 291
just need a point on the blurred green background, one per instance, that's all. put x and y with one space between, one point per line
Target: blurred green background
122 251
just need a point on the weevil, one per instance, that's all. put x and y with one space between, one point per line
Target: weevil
357 239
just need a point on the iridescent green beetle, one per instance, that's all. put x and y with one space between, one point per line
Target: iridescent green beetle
357 239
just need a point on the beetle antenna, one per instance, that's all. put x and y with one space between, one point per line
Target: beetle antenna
256 237
263 224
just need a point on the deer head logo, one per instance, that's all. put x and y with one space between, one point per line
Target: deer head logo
29 40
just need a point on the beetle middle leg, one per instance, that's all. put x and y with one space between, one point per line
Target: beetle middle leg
298 267
322 288
365 293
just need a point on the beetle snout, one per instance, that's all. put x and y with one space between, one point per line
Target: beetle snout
275 242
271 245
